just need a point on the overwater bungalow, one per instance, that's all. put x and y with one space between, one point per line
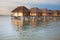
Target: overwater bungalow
49 13
44 12
35 12
56 13
20 11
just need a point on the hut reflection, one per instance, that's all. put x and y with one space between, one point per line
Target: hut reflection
20 23
33 22
55 18
44 19
15 22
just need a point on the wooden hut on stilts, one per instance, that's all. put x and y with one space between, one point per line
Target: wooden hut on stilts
20 11
34 12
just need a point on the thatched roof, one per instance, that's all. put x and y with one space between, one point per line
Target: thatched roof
49 11
34 10
59 11
20 9
55 11
44 10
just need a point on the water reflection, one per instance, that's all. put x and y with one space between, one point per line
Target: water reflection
43 28
33 22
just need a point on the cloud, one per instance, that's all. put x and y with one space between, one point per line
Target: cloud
14 3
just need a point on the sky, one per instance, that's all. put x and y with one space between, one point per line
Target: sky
6 6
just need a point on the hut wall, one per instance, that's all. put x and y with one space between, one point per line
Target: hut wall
20 13
39 14
26 13
36 14
58 14
55 14
15 14
49 14
33 14
44 14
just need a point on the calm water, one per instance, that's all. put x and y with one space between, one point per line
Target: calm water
29 28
